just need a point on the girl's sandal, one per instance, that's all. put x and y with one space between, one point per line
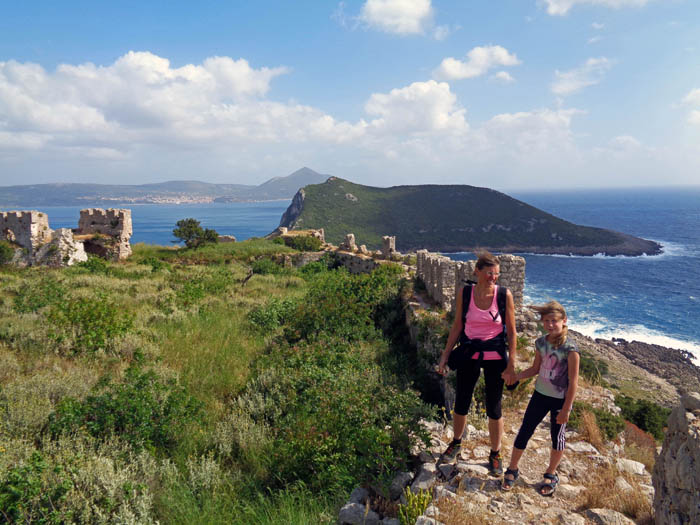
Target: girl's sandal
508 483
548 488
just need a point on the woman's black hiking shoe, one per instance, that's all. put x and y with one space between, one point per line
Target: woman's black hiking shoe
495 464
451 452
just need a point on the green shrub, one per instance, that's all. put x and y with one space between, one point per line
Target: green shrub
89 324
156 264
7 252
272 314
95 264
193 286
335 419
266 266
24 498
304 243
324 264
610 424
344 305
593 369
645 414
34 296
144 410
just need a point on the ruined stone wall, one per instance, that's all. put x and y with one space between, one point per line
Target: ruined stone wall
113 223
676 474
444 277
28 229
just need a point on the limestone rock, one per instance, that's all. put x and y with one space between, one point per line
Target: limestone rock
425 478
582 447
356 514
227 238
631 466
62 250
400 481
607 517
359 495
390 521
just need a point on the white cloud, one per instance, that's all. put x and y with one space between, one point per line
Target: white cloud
441 32
693 99
479 61
625 142
503 76
401 17
418 108
589 74
597 26
595 39
562 7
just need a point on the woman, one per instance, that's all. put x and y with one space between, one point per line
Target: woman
482 330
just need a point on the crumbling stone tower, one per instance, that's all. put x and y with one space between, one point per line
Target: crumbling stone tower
28 229
106 232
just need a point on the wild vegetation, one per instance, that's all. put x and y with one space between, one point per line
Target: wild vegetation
206 385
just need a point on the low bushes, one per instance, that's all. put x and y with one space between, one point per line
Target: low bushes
647 415
89 324
335 420
144 410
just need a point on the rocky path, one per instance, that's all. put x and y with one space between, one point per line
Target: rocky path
597 485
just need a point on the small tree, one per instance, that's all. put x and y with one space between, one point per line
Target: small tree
193 235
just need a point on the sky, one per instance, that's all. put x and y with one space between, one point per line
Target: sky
508 94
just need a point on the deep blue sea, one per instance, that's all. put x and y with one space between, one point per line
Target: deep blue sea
654 299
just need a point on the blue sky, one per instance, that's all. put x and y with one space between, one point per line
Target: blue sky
512 94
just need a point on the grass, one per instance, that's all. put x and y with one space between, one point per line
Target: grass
191 323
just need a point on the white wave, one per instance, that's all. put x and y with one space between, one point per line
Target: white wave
598 329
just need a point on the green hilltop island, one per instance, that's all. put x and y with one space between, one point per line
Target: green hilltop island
448 218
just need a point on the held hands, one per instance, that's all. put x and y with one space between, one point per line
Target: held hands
509 375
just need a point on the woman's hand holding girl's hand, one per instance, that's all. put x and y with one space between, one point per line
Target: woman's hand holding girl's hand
509 376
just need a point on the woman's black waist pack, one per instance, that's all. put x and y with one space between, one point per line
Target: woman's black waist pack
466 349
464 352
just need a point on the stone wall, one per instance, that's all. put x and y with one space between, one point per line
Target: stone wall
677 470
28 229
443 277
113 223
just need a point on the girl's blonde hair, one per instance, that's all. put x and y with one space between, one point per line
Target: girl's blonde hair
553 307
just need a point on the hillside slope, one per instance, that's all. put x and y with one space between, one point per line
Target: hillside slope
448 218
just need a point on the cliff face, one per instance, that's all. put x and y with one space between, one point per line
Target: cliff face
676 474
289 217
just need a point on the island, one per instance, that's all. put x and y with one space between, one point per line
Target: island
449 218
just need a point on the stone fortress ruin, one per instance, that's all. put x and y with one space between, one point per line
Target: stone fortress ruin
101 232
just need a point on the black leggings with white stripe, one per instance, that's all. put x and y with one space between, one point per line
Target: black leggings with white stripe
536 411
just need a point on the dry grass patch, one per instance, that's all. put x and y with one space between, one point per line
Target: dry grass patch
590 430
602 492
453 512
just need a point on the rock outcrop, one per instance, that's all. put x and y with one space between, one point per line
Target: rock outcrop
677 470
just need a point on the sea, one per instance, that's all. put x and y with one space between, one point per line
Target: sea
652 298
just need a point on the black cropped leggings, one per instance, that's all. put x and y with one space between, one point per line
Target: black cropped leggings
536 410
468 375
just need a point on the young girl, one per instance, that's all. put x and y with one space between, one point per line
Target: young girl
556 365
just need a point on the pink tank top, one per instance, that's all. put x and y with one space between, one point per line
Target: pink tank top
484 324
